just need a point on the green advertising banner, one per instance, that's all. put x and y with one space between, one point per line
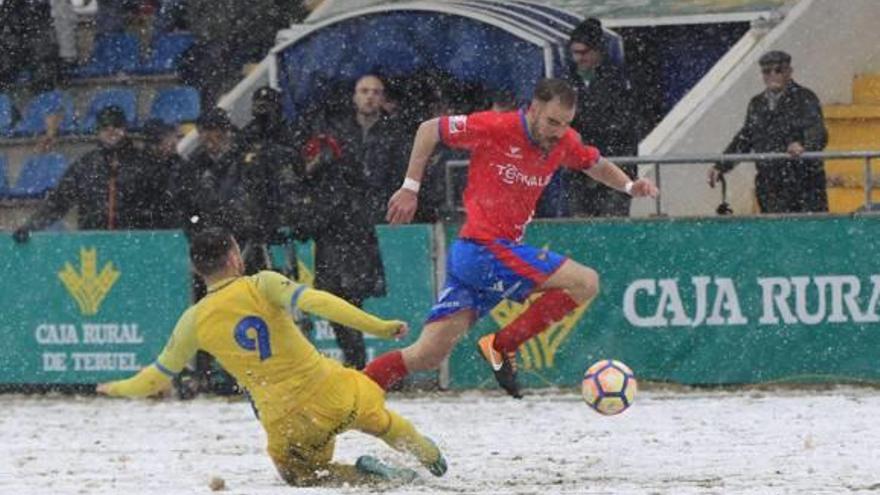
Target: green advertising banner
697 301
407 254
88 307
707 301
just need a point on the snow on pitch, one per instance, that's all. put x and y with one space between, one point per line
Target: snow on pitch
693 442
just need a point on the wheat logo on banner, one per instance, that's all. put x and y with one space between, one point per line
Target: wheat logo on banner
87 287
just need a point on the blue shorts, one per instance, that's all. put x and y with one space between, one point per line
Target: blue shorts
480 274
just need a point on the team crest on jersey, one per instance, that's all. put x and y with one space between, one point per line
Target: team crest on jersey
457 123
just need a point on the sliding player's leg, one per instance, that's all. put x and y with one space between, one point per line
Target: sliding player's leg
301 464
395 430
301 443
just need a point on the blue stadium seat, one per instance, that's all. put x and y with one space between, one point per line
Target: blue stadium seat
166 52
4 177
39 174
176 105
113 53
5 115
124 98
33 122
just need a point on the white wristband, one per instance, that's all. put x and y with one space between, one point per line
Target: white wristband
411 185
628 187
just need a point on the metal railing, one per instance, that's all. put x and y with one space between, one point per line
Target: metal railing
658 161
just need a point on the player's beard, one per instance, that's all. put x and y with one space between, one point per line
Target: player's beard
548 143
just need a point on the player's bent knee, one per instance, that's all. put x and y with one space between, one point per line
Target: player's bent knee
592 282
587 286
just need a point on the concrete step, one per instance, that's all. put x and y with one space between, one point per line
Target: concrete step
848 199
856 112
866 89
852 127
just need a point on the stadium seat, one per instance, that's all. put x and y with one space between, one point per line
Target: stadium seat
39 174
113 53
33 122
4 180
5 115
166 52
176 105
124 98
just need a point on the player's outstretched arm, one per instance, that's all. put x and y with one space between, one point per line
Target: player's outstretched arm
156 378
147 382
336 309
608 173
287 294
403 203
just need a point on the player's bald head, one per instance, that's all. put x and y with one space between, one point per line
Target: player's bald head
210 249
548 90
551 112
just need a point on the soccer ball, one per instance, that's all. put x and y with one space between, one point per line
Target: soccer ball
609 387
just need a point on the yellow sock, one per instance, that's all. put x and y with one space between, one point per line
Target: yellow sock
402 435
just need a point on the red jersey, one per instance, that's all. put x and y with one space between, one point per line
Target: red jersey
508 170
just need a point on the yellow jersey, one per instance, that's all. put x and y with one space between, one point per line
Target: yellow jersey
245 323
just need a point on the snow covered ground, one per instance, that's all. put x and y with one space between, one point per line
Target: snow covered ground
670 442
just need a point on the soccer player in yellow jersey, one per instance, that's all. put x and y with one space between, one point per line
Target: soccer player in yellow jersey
303 399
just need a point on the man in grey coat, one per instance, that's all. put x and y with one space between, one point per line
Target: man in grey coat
785 118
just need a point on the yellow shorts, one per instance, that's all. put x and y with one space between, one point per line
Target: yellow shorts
303 441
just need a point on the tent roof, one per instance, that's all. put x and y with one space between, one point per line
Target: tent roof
497 45
612 12
532 22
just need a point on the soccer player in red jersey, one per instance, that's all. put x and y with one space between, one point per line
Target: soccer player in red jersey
513 158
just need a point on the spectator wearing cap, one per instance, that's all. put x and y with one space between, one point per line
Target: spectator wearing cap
230 187
784 118
605 118
268 141
267 120
111 187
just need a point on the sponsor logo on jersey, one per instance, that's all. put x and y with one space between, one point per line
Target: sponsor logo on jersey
511 174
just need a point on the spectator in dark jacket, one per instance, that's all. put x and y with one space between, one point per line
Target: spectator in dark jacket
351 167
785 118
605 118
230 187
28 44
160 152
269 142
111 187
